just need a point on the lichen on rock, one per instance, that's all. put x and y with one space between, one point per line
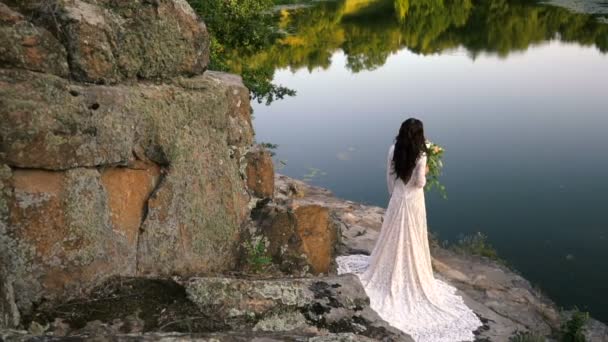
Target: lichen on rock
12 258
109 41
25 45
332 304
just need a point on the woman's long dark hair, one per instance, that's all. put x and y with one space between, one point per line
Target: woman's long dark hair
409 144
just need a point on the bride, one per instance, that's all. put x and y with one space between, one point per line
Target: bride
398 276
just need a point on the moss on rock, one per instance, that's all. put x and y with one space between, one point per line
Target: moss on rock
25 45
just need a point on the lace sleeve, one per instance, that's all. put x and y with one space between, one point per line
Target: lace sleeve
420 172
390 176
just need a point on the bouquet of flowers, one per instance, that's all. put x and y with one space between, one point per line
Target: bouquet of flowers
434 165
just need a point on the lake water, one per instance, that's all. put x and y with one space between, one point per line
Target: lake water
517 93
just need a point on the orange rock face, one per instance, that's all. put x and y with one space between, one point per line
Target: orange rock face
260 174
38 200
77 227
318 235
305 236
128 192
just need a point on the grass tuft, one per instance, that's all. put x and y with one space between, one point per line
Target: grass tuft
476 244
573 329
256 256
527 336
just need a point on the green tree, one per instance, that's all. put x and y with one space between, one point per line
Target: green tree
242 24
369 31
241 28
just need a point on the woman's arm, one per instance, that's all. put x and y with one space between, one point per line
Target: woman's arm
390 176
420 171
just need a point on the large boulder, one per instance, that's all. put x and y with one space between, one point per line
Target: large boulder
118 180
109 41
50 123
118 156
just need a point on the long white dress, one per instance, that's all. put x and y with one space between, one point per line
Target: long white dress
398 276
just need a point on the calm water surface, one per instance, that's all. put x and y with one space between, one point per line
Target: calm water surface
517 94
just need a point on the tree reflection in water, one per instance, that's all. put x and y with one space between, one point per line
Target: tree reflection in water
368 31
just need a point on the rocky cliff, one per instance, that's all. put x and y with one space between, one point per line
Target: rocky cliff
119 154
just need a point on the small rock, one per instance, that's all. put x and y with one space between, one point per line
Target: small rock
335 304
37 328
60 327
260 173
298 236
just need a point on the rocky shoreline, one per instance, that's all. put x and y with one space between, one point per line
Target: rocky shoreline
297 305
505 301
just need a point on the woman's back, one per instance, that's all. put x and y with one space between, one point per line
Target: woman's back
417 180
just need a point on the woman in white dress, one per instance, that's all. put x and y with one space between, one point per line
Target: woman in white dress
398 275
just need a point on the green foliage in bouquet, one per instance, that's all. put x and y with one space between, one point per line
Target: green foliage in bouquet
435 165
